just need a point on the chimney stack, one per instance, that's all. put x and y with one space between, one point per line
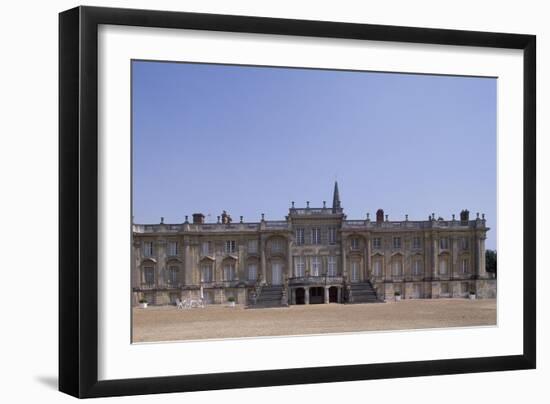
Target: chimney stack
198 218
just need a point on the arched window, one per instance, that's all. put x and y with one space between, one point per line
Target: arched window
172 275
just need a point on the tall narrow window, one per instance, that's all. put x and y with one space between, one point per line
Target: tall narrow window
172 248
332 235
252 272
315 235
172 275
416 242
443 269
230 246
205 248
397 242
355 243
299 266
229 271
331 269
148 249
464 243
465 267
397 268
376 242
206 273
300 236
444 243
149 276
377 267
417 267
315 266
252 246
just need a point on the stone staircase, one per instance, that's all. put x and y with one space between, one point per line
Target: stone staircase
270 296
363 293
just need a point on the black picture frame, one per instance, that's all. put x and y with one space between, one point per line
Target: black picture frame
78 201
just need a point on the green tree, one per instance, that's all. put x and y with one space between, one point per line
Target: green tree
491 261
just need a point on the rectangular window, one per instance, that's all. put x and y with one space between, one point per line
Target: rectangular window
205 248
355 243
376 242
397 268
276 245
417 267
172 275
252 272
465 267
300 236
206 273
332 266
444 243
377 268
252 246
229 272
172 248
464 243
148 249
332 235
149 275
397 242
416 290
230 246
299 267
315 235
416 242
315 266
443 266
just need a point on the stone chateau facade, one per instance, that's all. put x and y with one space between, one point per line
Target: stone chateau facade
316 255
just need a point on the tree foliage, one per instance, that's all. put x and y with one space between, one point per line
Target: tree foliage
491 261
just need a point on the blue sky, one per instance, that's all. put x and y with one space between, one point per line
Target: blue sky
250 140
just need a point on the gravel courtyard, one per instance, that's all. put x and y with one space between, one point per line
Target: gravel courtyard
166 323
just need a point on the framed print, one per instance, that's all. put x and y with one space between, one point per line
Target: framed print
250 201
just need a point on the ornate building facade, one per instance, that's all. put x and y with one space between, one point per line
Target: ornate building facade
316 255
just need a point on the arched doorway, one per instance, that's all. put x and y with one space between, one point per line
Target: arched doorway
316 295
300 296
333 294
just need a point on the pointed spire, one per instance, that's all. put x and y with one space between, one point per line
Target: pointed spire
336 198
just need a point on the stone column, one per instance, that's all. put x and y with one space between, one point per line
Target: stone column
435 264
289 268
264 263
188 265
368 257
339 295
160 252
481 271
306 295
344 266
326 295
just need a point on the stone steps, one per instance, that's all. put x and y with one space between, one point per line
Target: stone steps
270 296
363 293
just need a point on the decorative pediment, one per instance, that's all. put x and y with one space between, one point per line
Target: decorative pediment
150 259
208 258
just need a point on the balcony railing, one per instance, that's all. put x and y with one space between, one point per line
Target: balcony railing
311 279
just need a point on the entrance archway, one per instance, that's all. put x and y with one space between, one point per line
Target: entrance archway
316 295
300 296
333 294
